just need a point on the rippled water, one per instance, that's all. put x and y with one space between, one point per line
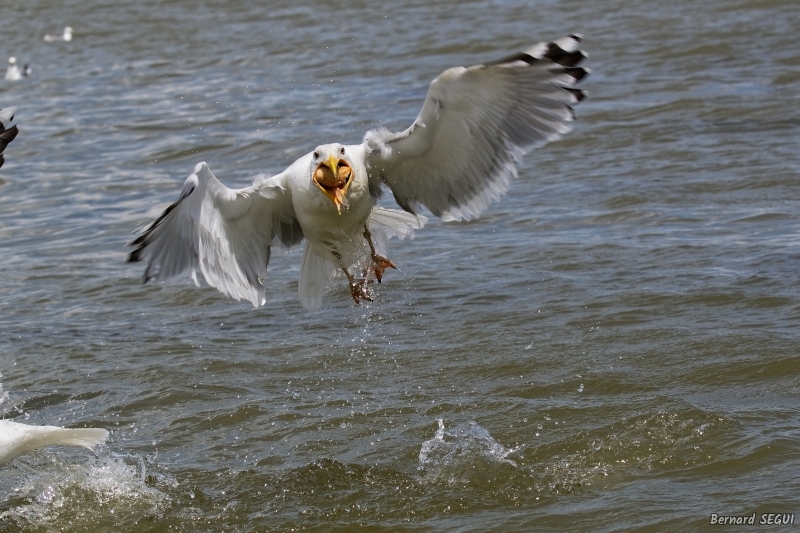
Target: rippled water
613 346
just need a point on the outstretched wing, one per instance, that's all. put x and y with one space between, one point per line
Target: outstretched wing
7 131
476 122
227 233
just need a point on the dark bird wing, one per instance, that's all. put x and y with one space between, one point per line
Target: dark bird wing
7 131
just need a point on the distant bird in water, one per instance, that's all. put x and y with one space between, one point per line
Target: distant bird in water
17 439
7 131
66 36
12 72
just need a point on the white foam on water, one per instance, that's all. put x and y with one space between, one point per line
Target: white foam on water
109 491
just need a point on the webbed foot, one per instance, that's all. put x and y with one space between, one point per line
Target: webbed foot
359 290
379 264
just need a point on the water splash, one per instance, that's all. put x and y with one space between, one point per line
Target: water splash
459 454
3 394
7 407
109 491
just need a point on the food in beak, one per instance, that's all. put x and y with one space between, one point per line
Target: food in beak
326 178
333 177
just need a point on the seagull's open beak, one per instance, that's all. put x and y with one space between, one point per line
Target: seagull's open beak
334 180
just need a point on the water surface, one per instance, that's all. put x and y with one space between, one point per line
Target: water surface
612 347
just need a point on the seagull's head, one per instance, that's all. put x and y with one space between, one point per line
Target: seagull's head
332 172
12 60
67 33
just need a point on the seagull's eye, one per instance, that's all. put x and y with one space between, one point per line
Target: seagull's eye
341 150
316 155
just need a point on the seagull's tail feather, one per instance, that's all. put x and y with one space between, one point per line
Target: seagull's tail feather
316 274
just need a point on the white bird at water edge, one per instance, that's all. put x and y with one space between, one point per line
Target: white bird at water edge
456 158
12 72
66 36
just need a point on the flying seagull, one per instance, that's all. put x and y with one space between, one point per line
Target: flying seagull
457 157
7 131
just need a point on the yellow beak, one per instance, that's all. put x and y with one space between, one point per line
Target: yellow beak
333 163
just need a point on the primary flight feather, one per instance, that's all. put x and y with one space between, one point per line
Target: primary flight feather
457 157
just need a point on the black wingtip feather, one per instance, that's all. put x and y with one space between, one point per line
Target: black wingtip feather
8 135
563 58
579 94
520 56
577 73
140 240
554 53
134 256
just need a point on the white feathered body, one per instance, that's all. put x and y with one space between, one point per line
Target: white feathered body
17 439
12 72
330 233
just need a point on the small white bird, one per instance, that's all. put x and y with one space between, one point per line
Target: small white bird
12 72
7 131
66 36
457 157
17 439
